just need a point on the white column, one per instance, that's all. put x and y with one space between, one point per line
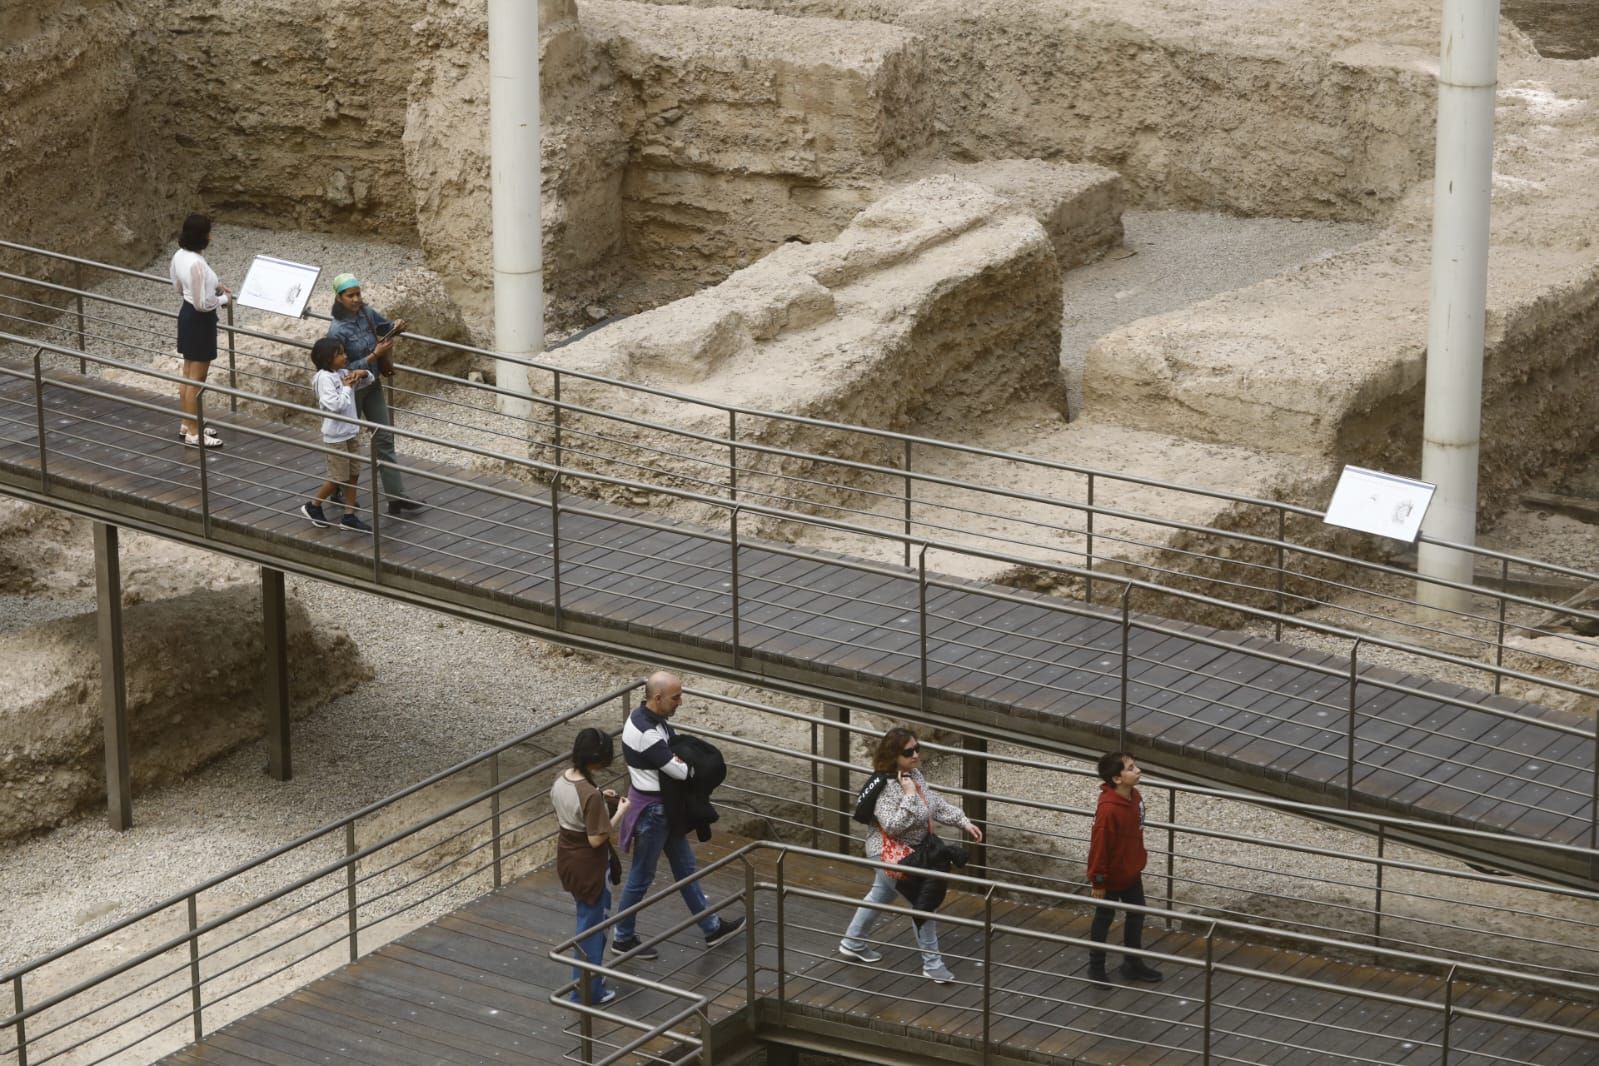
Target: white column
514 173
1461 191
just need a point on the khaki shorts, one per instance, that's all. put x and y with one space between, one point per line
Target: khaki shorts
344 466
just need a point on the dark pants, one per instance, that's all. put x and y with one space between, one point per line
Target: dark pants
372 405
1132 929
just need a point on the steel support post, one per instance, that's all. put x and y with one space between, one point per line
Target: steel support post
1088 548
194 969
838 801
1349 749
22 1026
113 676
275 673
352 919
750 944
494 817
974 778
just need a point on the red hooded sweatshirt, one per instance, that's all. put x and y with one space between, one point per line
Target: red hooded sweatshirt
1116 853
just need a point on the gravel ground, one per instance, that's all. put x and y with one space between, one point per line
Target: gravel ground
422 712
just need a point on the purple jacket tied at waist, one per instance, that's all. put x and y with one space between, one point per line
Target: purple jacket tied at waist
637 803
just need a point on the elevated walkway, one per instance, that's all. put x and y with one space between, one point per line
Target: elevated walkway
1207 705
475 986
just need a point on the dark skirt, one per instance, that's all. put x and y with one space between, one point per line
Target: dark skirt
197 334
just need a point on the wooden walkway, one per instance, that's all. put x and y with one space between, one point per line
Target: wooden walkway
1036 666
474 987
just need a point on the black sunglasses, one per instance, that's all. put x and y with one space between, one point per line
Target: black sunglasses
910 751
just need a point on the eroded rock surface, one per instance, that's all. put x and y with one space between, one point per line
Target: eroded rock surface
193 665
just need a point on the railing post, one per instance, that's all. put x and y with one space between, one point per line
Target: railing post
22 1026
205 485
1171 853
1127 596
782 945
556 419
1282 588
1089 553
377 511
494 813
1349 748
988 974
585 1022
1449 1016
707 1054
921 618
38 411
555 542
194 968
83 334
907 479
1499 644
233 368
349 888
732 550
1376 915
1210 974
732 455
750 943
1593 807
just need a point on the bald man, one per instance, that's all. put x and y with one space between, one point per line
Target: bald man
647 750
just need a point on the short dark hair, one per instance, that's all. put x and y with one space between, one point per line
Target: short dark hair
889 748
1112 763
323 351
592 747
196 232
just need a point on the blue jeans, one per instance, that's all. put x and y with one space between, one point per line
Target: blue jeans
649 840
884 890
592 946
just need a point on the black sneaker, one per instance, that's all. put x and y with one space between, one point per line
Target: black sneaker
354 524
1139 970
632 945
728 927
400 505
314 512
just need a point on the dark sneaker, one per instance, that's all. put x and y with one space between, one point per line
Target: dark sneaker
314 512
728 927
632 946
1139 970
399 505
354 524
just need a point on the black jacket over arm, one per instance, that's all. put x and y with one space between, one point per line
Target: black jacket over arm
688 803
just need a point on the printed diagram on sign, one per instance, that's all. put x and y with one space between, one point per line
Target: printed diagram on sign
278 285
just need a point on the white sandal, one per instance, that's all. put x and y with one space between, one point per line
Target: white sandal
193 440
210 433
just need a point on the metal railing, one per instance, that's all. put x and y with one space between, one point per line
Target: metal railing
1251 1022
331 896
1265 553
1121 681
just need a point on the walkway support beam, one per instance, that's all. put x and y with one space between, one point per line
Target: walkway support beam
113 676
1462 188
275 673
837 799
517 205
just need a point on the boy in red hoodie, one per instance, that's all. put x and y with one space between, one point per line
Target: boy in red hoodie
1116 859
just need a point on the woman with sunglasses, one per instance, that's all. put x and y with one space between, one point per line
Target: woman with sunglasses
904 809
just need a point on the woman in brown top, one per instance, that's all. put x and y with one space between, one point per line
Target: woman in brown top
588 817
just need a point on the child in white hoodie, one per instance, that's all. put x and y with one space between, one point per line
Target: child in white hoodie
335 394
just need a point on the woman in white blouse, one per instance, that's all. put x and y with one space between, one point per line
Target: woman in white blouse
202 294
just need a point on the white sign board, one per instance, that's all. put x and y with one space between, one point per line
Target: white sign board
1374 502
279 286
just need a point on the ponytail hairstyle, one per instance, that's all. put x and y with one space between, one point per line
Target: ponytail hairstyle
592 747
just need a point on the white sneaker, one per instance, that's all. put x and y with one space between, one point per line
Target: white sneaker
939 975
860 955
